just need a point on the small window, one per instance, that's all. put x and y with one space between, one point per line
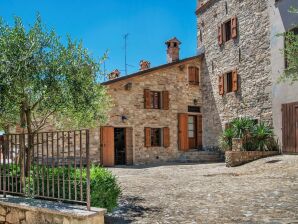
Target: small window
193 75
156 137
194 109
229 83
227 31
155 100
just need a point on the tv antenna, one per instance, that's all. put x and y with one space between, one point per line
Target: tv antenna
125 51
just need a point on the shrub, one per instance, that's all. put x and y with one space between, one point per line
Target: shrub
104 188
254 136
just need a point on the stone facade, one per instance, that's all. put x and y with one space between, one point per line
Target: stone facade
130 104
249 54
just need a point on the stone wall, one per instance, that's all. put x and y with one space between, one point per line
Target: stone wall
15 210
130 103
249 54
234 158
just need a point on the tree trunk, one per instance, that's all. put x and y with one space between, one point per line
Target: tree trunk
22 146
30 141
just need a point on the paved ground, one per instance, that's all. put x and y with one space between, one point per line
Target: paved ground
264 191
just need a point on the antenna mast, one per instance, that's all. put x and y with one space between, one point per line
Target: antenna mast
125 50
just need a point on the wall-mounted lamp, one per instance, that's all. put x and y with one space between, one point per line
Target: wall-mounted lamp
123 118
195 102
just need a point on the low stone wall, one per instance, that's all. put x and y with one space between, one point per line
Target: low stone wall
236 158
18 210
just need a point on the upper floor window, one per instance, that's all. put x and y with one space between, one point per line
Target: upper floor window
227 30
156 99
193 75
228 82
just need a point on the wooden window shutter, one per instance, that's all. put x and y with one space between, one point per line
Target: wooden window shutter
191 74
220 34
199 131
166 137
147 137
183 132
234 27
165 100
147 99
234 81
197 75
221 84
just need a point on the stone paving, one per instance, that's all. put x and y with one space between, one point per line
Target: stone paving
264 191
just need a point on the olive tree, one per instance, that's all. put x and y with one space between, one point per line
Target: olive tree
43 80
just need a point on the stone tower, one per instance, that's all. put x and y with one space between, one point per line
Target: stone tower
173 50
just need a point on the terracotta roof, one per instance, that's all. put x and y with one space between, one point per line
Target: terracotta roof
151 70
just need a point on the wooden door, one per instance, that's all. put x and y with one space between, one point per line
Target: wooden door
183 132
129 145
107 150
192 132
290 128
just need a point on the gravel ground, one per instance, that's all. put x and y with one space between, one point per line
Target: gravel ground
264 191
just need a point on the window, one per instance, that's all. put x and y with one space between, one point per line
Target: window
156 137
194 109
191 127
229 83
155 100
287 41
227 31
193 75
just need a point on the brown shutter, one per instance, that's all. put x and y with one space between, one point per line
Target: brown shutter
221 84
234 27
220 35
165 100
147 99
147 137
183 132
234 81
191 74
197 75
166 137
199 131
107 151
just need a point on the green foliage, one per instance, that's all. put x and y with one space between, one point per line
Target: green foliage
105 190
242 127
254 136
261 134
225 140
43 79
291 54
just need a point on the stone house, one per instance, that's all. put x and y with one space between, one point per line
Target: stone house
241 66
157 111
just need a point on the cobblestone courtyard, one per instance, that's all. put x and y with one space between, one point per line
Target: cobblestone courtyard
264 191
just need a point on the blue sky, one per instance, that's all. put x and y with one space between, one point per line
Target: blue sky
102 23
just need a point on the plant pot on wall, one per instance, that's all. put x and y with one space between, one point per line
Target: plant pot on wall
237 144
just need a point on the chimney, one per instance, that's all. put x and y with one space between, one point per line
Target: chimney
114 74
173 50
144 65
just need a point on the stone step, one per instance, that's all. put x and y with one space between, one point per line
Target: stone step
200 156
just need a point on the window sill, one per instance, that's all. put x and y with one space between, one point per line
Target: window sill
194 83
